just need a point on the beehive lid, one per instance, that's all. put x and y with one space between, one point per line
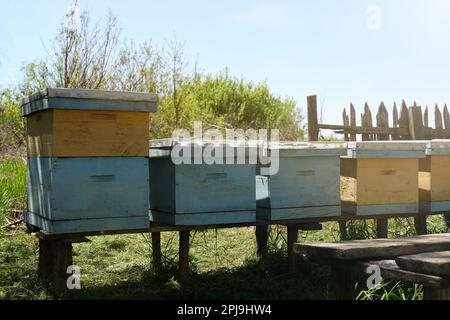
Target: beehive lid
87 99
308 149
387 149
438 147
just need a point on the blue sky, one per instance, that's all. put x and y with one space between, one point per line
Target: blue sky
341 50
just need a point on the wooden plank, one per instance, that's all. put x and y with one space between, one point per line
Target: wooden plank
375 248
292 238
262 236
395 121
345 121
435 263
416 128
183 254
352 121
313 129
382 121
446 116
425 117
391 271
404 122
365 130
438 118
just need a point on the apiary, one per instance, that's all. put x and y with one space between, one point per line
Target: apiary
434 177
87 159
381 177
194 192
306 184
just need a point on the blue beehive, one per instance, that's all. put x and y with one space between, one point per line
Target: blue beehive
200 194
87 160
306 184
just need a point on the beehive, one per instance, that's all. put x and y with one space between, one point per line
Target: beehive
434 177
381 177
306 184
199 193
87 160
87 123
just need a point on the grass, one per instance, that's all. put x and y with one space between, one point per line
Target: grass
223 264
13 175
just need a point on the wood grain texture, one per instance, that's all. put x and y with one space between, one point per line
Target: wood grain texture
435 263
434 177
80 133
376 248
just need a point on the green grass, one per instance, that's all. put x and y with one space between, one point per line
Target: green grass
13 175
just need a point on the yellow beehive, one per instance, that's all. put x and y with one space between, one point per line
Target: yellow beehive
434 177
83 123
381 177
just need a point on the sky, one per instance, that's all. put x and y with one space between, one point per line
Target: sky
344 51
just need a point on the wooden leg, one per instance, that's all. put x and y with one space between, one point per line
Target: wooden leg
433 293
420 222
262 235
45 266
343 230
342 283
156 251
62 259
447 219
292 238
382 228
184 255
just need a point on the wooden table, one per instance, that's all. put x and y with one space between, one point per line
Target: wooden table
422 259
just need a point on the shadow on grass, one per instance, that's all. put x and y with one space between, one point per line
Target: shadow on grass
263 278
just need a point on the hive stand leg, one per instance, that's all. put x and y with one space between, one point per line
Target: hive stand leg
156 251
262 235
447 219
342 283
343 230
292 238
184 255
62 259
382 228
420 222
433 293
45 264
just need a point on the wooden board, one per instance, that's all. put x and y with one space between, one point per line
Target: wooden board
86 99
81 133
376 248
379 181
436 263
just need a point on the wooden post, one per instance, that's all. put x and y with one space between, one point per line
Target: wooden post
343 230
433 293
420 223
352 121
416 129
262 235
183 259
292 238
403 121
156 251
313 124
342 283
45 264
62 259
382 228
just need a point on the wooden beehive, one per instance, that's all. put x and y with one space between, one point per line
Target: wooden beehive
381 177
87 160
73 195
200 194
87 123
434 177
306 184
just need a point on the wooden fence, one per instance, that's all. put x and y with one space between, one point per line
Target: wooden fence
407 123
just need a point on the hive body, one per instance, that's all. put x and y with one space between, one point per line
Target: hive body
381 178
434 177
306 185
87 160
